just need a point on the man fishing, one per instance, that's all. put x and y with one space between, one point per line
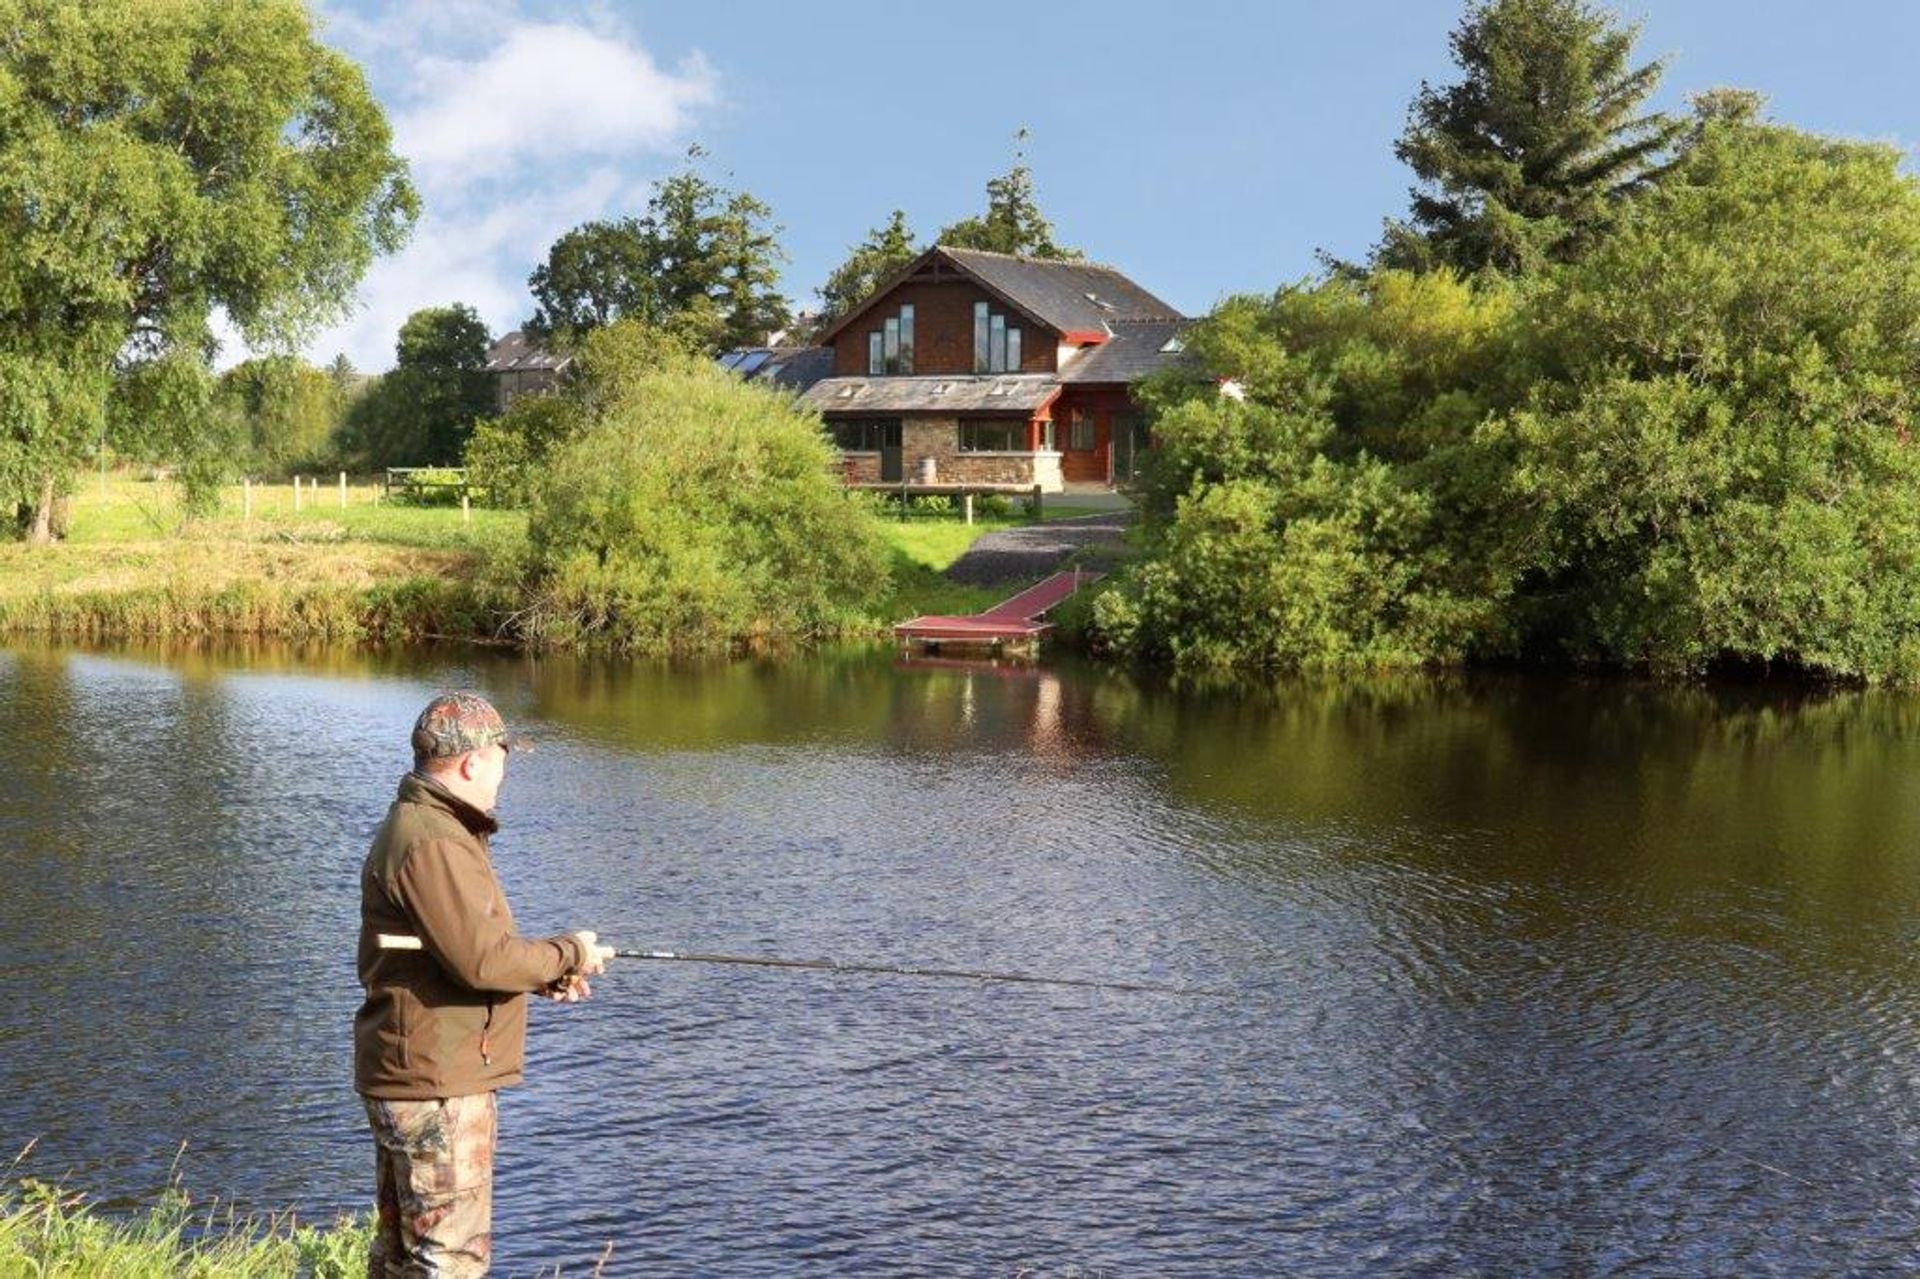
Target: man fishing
443 1026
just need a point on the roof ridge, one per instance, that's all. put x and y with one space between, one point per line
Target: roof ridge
1108 267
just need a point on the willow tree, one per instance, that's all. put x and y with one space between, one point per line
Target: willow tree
1526 158
161 161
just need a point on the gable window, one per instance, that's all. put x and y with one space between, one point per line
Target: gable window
865 435
994 435
890 347
996 344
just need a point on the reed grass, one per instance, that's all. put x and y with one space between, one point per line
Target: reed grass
50 1232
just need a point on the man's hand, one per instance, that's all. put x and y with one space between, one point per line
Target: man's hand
573 987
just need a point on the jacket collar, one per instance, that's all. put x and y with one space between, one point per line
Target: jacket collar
418 788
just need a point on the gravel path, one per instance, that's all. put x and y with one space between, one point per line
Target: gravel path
1022 554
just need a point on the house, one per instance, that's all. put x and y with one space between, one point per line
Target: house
520 366
975 368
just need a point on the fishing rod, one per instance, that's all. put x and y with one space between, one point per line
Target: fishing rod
898 970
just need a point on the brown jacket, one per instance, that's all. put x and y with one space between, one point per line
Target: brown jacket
449 1018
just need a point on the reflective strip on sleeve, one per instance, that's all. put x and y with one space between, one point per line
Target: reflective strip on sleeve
397 941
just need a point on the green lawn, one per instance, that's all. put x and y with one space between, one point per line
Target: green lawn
128 511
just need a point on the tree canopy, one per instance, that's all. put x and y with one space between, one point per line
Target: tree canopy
422 412
886 249
161 160
289 408
1013 222
1526 158
703 262
1691 447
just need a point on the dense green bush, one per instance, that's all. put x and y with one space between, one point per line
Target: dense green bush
507 455
1691 447
692 511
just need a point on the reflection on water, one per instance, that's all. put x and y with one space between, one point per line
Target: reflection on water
1538 975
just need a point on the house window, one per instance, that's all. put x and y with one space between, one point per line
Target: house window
994 435
1080 435
890 347
996 347
865 435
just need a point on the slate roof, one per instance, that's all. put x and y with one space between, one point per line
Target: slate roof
1020 393
1136 349
793 367
515 351
1073 297
1069 297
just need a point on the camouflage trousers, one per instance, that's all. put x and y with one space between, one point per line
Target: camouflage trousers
433 1174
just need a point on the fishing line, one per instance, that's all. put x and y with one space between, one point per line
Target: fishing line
898 970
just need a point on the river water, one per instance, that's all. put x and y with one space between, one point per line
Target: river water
1530 975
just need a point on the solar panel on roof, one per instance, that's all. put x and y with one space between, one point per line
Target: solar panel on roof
731 360
751 361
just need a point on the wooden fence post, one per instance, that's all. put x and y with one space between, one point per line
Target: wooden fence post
966 504
296 494
1036 504
343 490
466 511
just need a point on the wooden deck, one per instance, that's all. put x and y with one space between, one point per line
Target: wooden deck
1012 623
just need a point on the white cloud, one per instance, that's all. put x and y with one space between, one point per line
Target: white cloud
528 129
480 257
548 91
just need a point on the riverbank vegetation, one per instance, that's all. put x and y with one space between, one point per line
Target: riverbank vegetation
134 566
52 1233
1666 427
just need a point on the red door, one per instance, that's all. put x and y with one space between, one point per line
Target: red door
1084 452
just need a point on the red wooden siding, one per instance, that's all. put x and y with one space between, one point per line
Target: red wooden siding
943 330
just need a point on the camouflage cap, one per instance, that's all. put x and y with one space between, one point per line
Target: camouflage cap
455 723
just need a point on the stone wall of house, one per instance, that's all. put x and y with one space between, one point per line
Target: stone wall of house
860 468
939 438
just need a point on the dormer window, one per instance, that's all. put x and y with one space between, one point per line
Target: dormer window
996 344
890 347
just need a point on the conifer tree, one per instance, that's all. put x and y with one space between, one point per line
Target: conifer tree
885 250
1013 221
1525 160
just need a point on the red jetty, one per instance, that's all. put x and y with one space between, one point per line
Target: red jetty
1010 623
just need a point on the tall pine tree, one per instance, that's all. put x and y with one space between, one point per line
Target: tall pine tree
1013 221
1524 160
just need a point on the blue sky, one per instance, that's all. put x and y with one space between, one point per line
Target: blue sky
1205 147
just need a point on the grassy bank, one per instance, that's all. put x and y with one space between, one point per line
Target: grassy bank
132 566
52 1234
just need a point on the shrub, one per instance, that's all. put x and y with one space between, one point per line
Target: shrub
692 511
508 455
